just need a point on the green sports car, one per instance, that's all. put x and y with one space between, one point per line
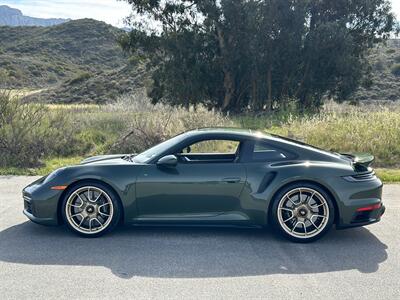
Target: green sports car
213 176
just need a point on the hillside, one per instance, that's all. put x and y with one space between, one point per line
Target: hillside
13 17
96 88
385 75
37 57
80 61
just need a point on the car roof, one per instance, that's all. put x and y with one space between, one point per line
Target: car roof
229 131
226 132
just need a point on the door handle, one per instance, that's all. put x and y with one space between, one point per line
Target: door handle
231 179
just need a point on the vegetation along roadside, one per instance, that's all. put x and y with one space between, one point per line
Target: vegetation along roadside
61 135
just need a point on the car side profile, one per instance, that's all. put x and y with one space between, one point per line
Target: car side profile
213 176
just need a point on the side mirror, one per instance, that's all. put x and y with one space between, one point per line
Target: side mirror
168 161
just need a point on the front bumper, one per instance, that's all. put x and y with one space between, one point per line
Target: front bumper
41 204
41 221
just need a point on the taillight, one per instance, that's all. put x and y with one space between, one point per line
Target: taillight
370 207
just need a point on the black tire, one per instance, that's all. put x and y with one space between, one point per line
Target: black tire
109 196
302 212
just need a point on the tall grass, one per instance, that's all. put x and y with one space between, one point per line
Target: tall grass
133 124
150 124
373 128
31 134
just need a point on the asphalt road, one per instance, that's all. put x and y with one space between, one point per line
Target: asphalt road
187 263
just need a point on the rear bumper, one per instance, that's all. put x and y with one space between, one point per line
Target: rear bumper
359 203
364 218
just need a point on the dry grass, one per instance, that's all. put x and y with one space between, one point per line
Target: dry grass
150 124
372 128
132 124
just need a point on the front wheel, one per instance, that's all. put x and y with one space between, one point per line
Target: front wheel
302 212
91 209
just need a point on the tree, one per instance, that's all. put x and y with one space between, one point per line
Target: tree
255 54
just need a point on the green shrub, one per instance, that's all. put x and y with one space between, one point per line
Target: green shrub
17 74
52 78
80 78
3 75
30 132
396 70
20 141
379 65
93 140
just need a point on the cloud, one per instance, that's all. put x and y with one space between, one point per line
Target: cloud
396 8
110 11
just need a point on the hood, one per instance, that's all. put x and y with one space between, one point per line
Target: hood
102 158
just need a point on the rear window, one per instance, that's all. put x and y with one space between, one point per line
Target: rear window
265 152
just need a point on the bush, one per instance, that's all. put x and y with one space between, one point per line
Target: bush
29 132
379 65
20 142
151 124
80 78
396 70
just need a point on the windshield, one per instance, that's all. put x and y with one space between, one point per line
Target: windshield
147 155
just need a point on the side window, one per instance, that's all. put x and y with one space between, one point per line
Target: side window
265 152
212 146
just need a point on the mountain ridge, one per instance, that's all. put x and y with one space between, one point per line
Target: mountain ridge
37 57
10 16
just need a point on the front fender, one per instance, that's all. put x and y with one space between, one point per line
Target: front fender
121 178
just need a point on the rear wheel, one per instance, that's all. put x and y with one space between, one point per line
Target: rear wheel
91 209
302 212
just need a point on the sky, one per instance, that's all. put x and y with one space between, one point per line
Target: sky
109 11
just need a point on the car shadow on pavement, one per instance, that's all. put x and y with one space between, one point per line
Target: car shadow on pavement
192 252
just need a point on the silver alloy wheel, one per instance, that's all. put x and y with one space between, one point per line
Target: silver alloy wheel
303 212
89 210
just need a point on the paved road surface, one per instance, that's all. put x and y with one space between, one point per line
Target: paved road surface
184 263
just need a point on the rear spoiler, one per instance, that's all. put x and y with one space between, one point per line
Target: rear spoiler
360 160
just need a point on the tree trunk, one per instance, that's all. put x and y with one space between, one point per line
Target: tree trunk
284 96
229 86
254 92
301 90
269 86
229 80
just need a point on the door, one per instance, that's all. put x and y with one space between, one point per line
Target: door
204 184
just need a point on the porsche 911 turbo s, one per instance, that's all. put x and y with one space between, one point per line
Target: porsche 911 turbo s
213 176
